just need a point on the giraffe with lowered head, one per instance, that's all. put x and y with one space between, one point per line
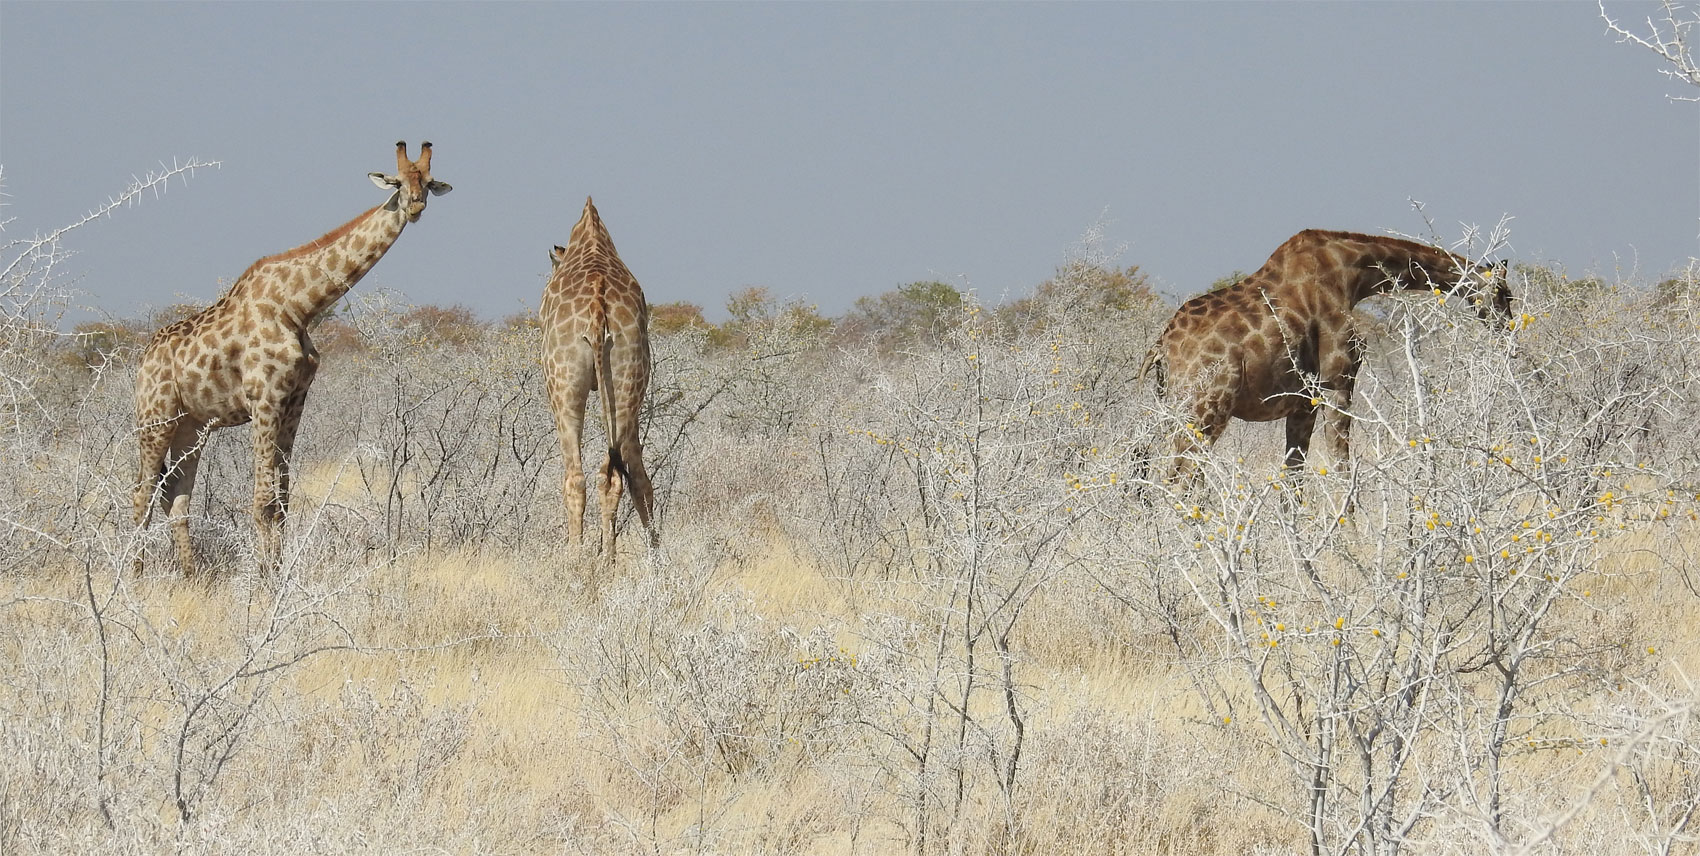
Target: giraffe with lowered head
596 337
1281 343
247 358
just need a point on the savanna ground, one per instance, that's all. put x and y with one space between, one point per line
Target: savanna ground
918 592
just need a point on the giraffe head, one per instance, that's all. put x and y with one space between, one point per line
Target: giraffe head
1494 291
556 256
1486 288
411 182
1485 285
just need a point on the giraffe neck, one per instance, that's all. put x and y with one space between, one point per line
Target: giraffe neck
299 284
1408 266
1349 268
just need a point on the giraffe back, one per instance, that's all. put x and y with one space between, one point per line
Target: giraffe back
592 294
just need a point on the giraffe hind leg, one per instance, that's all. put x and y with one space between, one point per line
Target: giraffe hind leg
1210 419
643 493
625 469
568 388
177 484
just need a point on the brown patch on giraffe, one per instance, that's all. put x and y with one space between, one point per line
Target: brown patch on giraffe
1235 328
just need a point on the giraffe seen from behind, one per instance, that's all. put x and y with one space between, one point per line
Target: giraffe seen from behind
1281 343
248 358
596 338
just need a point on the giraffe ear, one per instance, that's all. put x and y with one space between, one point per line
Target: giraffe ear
385 181
438 188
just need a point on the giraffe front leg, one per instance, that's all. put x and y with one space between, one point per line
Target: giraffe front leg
268 508
1339 377
1300 427
1337 430
288 425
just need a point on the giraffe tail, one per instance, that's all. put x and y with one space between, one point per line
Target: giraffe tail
1153 362
616 431
602 344
1146 455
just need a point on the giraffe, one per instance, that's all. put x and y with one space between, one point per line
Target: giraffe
1281 342
596 337
248 358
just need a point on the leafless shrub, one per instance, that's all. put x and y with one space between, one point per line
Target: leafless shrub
921 598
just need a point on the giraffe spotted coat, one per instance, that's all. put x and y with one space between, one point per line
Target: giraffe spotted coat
248 358
596 337
1281 343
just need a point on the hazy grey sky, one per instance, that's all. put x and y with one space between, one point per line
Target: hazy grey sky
830 151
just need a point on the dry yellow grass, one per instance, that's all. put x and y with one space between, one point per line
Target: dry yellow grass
460 720
457 714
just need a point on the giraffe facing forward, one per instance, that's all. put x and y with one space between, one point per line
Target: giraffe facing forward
596 337
1281 343
247 358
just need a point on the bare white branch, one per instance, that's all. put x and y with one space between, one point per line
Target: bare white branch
1669 37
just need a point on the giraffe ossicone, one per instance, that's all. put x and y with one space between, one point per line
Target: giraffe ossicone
596 338
1281 343
248 358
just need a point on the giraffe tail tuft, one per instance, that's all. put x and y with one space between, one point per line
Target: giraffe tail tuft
618 464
